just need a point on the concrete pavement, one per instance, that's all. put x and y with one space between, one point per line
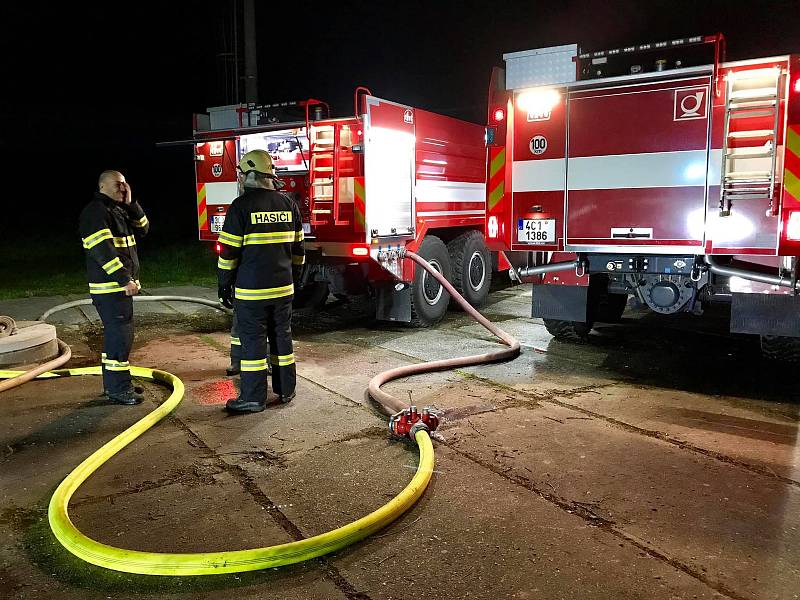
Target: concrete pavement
660 460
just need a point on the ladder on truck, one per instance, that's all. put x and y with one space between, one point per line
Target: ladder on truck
324 175
749 151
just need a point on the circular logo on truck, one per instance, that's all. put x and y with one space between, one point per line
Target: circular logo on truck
538 145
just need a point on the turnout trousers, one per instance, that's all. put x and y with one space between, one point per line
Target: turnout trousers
236 343
116 313
260 322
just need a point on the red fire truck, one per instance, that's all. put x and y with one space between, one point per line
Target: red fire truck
390 177
659 171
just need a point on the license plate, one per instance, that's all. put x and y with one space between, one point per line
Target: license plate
217 221
536 231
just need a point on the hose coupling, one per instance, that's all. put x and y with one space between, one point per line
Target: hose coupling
408 421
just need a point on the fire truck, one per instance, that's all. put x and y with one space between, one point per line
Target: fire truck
658 171
391 177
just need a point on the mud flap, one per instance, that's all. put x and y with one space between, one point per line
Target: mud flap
393 305
766 314
561 302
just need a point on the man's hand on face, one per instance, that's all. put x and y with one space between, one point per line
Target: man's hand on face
126 191
131 288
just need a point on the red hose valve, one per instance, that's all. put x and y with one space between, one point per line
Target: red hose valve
407 422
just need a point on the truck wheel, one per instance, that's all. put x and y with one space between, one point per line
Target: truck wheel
777 347
428 298
610 307
472 267
568 331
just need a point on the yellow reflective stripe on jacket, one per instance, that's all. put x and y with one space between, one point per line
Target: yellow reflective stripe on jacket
298 236
264 293
235 341
230 239
274 237
115 264
281 360
124 241
98 236
298 260
254 365
226 264
108 287
140 222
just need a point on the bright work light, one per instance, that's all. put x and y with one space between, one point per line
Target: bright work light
538 102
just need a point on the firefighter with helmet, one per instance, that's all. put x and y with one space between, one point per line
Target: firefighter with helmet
261 249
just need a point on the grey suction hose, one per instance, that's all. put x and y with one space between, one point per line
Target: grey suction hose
65 352
395 405
87 301
719 269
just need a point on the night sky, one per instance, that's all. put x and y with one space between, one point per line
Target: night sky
85 89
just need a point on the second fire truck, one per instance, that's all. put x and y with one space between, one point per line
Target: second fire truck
658 171
388 178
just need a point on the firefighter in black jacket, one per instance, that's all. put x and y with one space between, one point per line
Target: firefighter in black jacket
109 225
262 247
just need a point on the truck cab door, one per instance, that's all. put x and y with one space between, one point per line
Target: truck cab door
389 168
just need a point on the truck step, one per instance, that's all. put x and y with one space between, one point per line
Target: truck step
755 133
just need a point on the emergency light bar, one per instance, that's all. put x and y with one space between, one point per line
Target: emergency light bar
698 39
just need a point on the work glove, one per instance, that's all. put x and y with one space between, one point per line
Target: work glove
225 295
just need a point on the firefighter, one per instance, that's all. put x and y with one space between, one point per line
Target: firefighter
262 248
109 226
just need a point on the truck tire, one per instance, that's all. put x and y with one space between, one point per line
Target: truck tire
472 267
568 331
780 348
429 299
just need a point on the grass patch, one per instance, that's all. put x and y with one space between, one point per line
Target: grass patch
55 266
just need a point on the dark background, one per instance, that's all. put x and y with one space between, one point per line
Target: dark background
88 88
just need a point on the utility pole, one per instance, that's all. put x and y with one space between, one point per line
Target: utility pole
250 60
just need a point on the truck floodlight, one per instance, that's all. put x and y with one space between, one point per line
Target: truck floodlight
538 101
498 115
797 86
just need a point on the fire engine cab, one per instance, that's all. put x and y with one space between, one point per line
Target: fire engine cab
391 177
658 171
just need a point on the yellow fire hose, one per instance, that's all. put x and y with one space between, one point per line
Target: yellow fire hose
406 421
206 563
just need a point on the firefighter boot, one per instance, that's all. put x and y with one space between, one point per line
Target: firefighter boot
104 394
288 398
238 405
129 397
